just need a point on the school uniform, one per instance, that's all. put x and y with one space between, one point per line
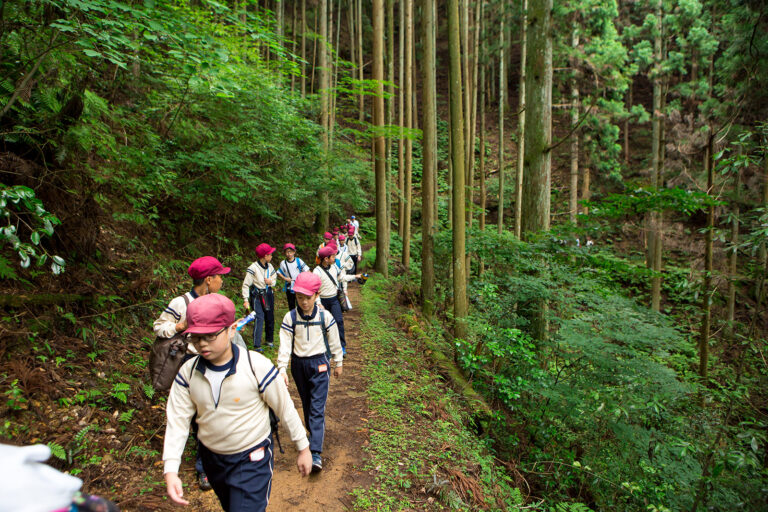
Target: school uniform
304 343
232 403
291 269
346 264
261 298
355 251
329 286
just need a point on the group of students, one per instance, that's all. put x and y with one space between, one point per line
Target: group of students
228 393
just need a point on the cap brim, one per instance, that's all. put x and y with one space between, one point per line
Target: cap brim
204 329
303 291
225 270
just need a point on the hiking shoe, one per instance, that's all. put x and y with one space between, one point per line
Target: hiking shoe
271 345
344 351
202 480
317 463
258 349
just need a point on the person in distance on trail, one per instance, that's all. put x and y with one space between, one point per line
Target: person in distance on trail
354 248
308 337
289 270
327 237
231 390
206 274
356 225
330 279
259 297
346 264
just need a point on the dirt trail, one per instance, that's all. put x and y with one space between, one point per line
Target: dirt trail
345 436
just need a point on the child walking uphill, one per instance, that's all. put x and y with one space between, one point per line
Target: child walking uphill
289 270
330 276
308 337
231 390
259 297
206 274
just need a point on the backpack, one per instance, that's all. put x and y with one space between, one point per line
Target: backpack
340 295
274 421
166 358
322 326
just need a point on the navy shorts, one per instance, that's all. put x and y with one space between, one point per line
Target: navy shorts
242 481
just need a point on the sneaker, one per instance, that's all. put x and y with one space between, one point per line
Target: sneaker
271 345
317 463
202 479
344 351
258 349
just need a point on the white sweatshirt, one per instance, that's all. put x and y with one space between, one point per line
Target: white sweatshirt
306 337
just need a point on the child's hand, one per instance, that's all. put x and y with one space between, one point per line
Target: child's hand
285 378
337 371
247 306
176 490
304 462
181 326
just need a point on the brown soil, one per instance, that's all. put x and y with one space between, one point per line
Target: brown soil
345 436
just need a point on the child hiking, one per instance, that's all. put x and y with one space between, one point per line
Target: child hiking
308 338
330 277
259 297
289 270
231 390
206 274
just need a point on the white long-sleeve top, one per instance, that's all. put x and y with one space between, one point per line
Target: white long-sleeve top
292 269
175 312
306 337
239 420
259 275
354 246
327 287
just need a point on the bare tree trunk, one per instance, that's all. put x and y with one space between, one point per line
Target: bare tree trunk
521 122
293 44
429 156
303 48
360 57
626 125
656 218
574 191
483 192
390 5
408 140
472 85
324 84
502 103
380 168
460 306
763 252
706 305
401 124
733 257
314 56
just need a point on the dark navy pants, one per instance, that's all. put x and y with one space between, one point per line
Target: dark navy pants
312 375
354 260
241 481
334 307
193 431
265 317
291 298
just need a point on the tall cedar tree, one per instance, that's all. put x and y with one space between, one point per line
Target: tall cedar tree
380 166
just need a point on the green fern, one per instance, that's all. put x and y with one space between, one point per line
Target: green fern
58 451
149 391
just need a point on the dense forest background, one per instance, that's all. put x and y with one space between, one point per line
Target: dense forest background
570 199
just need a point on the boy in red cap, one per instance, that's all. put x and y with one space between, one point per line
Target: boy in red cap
354 248
259 297
288 270
206 277
231 390
308 337
331 278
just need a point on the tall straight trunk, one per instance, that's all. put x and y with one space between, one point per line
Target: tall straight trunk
360 57
429 159
521 122
352 33
502 103
574 189
293 43
335 75
538 138
657 145
435 182
312 89
279 14
324 86
706 306
763 251
482 148
390 5
733 257
450 175
626 125
408 140
460 306
586 191
303 48
401 124
380 168
465 75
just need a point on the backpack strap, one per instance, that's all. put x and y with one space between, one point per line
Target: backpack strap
329 277
273 419
322 326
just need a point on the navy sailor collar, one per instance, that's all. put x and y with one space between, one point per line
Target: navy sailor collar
307 317
202 364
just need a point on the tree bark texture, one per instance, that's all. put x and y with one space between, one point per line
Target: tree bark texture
429 157
380 168
406 260
521 122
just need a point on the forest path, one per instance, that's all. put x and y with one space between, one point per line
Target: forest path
345 436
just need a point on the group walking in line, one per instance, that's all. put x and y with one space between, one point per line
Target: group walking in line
229 397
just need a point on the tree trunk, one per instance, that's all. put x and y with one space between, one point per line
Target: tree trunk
473 129
521 122
733 257
380 168
763 251
706 305
482 148
502 103
293 44
574 190
360 56
657 147
312 89
390 4
429 156
303 48
406 260
401 124
324 79
538 138
460 305
626 125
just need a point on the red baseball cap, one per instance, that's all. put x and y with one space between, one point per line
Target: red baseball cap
209 313
325 252
342 237
206 266
289 246
264 249
327 235
307 283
